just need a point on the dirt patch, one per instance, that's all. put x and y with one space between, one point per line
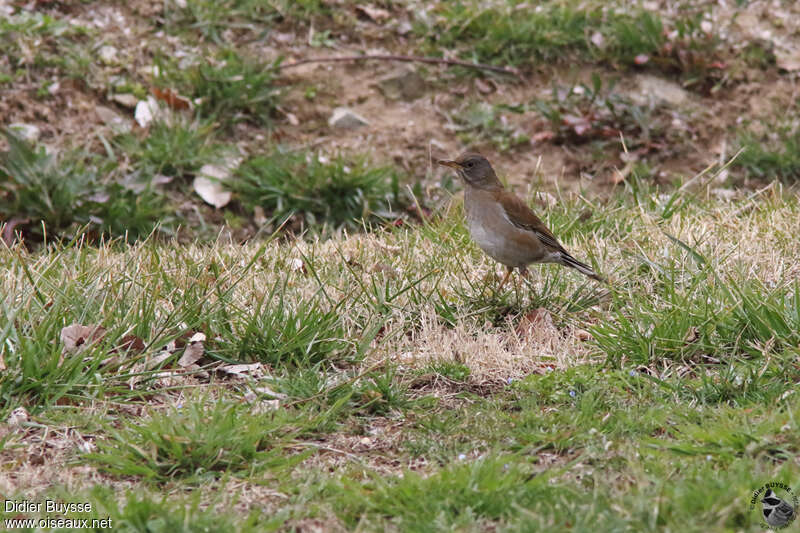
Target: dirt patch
411 134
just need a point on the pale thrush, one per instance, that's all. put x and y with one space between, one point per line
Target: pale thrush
504 226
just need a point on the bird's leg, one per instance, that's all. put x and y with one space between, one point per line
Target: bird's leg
516 288
505 278
523 272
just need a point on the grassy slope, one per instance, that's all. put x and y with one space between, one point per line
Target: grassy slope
395 388
400 374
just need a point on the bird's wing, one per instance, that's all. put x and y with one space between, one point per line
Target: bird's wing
784 509
520 215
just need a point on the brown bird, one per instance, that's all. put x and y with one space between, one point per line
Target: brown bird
503 225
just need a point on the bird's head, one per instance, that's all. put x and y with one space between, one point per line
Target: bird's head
475 170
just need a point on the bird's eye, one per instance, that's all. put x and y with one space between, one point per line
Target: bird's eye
469 164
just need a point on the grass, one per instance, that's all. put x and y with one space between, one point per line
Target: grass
564 31
247 17
228 87
178 148
62 196
597 112
456 497
371 376
36 42
775 157
484 424
332 192
483 123
272 332
195 442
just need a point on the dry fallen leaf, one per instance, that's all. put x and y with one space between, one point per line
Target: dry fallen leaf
537 319
244 370
579 124
542 136
8 229
125 100
17 417
157 360
297 265
263 389
545 199
788 61
692 334
618 176
191 354
264 406
86 446
211 190
130 344
208 183
482 86
171 98
147 111
76 335
375 14
388 270
259 216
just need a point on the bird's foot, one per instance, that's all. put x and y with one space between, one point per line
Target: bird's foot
505 279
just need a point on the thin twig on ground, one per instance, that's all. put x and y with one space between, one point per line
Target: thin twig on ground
511 71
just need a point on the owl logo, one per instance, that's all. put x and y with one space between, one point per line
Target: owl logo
776 511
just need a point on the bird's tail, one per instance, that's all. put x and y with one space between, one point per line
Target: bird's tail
583 268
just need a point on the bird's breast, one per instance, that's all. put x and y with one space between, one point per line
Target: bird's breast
492 231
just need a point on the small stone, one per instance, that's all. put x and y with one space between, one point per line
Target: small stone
108 55
27 132
660 90
402 84
126 100
346 119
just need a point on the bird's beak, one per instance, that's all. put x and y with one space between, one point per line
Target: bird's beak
451 164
